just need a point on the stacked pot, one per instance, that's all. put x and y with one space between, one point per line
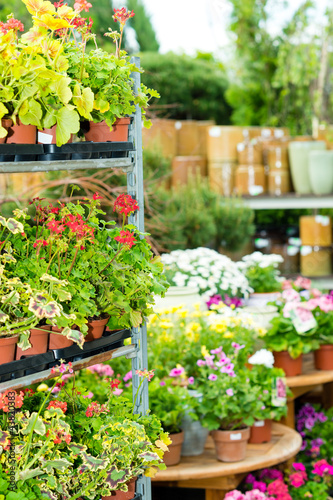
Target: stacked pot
316 249
250 178
222 157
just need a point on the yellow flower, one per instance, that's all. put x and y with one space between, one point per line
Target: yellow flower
261 332
183 313
151 472
204 351
42 388
165 323
51 23
175 309
228 335
196 314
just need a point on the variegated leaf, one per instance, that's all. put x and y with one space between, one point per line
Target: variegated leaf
29 473
114 477
61 464
52 279
35 423
43 309
24 342
14 226
3 317
4 438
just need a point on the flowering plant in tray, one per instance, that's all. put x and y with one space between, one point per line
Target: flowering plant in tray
211 272
262 272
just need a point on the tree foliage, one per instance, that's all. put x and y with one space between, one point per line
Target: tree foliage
280 79
141 23
190 88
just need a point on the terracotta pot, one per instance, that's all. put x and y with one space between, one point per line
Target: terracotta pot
324 357
289 365
123 495
48 136
22 134
261 432
7 349
39 338
96 329
172 457
230 446
58 341
6 123
100 132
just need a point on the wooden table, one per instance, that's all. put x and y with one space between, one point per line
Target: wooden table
216 478
310 379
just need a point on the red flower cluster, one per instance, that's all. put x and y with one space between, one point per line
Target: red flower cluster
59 436
279 489
96 196
125 204
43 243
80 5
126 238
323 468
10 399
114 383
122 15
96 409
11 24
58 404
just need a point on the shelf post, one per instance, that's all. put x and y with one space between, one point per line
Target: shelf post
135 188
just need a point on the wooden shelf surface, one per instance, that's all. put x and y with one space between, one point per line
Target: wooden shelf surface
285 443
289 201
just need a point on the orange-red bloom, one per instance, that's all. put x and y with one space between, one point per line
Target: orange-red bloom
122 15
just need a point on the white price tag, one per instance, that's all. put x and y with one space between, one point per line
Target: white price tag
44 138
259 423
236 437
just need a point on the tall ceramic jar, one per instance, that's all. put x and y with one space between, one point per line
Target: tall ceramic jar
299 152
321 171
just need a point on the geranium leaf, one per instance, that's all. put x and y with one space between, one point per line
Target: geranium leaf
33 114
62 90
135 318
14 226
29 473
36 424
68 122
84 101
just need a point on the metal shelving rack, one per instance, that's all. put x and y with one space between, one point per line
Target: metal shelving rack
137 350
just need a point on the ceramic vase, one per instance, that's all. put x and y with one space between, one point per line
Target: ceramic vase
321 172
299 153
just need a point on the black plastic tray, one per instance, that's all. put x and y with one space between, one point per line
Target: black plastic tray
40 362
75 150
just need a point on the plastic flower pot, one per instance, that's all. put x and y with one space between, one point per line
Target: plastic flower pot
100 132
22 134
123 495
261 432
39 339
57 341
230 446
96 328
7 349
324 357
289 365
172 457
6 123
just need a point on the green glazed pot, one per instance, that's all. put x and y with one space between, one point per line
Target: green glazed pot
321 171
299 152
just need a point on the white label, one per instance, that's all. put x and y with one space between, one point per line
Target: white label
214 132
292 251
178 125
255 190
295 242
44 138
305 250
261 243
324 220
259 423
236 437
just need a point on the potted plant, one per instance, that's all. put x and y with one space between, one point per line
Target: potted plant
263 276
230 402
290 334
322 309
109 76
169 401
202 271
273 397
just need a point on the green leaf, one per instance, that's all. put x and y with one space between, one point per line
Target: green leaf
14 226
31 113
84 101
68 122
62 90
29 473
135 318
37 425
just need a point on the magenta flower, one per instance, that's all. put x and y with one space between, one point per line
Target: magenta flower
323 468
229 392
212 377
162 383
201 362
298 479
299 466
128 376
177 372
190 380
237 347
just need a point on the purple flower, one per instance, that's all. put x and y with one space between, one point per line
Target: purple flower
190 380
162 383
128 376
201 362
263 407
212 377
259 485
237 347
229 392
216 351
250 479
214 300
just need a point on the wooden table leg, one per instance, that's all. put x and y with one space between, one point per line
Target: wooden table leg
328 395
215 494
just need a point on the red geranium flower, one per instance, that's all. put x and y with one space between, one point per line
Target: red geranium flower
126 238
125 204
122 15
